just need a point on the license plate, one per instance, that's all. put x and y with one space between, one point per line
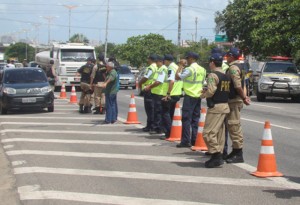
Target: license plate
124 81
77 79
28 100
280 85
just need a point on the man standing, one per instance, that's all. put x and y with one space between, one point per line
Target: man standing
174 92
236 99
86 91
51 74
10 64
98 76
148 100
193 77
216 94
158 90
111 91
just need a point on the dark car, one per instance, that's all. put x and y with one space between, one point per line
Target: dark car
25 88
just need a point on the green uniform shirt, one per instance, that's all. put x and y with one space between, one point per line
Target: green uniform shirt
111 87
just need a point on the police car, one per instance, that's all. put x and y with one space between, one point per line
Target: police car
279 77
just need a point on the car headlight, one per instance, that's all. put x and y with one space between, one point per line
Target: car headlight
10 91
265 79
46 89
295 80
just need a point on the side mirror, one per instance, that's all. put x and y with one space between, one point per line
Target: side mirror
51 54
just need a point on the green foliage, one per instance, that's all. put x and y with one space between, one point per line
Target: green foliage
79 38
138 48
101 49
263 27
18 51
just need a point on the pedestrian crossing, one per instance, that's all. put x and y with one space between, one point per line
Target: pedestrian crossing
73 158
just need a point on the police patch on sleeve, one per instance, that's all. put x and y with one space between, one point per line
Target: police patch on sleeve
210 80
233 72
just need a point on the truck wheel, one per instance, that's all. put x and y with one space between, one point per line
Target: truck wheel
260 97
133 87
296 98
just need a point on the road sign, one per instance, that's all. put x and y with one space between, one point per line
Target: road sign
221 38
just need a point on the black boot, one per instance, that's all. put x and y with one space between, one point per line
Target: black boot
81 109
216 160
87 109
97 110
236 156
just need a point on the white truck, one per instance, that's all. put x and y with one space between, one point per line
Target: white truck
68 57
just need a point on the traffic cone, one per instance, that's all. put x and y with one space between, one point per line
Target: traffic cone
132 115
175 134
73 97
200 144
63 94
267 162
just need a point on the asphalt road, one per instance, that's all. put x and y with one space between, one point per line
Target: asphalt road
69 158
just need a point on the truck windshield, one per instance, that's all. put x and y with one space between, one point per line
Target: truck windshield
76 55
280 68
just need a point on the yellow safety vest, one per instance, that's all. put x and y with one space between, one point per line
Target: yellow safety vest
178 84
193 84
162 88
150 80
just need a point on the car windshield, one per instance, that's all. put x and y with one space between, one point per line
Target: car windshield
76 55
24 75
280 68
124 70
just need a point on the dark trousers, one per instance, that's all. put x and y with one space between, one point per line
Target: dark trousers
111 106
157 123
149 109
173 101
190 119
225 150
166 117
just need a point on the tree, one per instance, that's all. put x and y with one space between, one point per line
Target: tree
18 51
110 49
79 38
138 48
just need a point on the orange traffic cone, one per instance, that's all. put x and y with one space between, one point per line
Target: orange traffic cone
200 144
63 94
267 162
175 134
73 97
132 115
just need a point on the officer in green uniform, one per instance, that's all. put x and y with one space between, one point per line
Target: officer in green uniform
86 91
159 90
193 77
236 99
148 100
216 94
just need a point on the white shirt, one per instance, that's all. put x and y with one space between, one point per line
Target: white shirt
9 65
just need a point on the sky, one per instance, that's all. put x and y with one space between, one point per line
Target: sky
127 18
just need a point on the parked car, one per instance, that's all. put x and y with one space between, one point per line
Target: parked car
2 66
127 79
25 88
279 77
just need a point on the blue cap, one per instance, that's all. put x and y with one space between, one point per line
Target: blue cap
234 52
192 55
152 57
159 58
216 57
169 57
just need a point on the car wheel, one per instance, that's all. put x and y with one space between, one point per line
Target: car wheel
260 97
51 108
3 111
296 98
126 87
133 87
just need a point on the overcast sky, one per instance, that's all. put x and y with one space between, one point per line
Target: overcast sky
126 18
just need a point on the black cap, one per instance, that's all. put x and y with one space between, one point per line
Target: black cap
159 58
101 56
192 55
90 59
216 57
152 57
234 52
169 57
51 62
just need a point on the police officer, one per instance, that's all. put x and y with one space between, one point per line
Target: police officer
193 77
86 91
224 64
216 94
51 74
146 80
173 94
97 77
158 90
236 99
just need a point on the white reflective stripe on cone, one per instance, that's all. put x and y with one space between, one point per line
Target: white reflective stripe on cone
132 109
132 101
200 129
177 112
176 123
267 134
267 150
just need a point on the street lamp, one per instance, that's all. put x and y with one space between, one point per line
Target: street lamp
70 7
49 19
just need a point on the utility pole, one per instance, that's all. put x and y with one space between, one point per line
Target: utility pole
196 32
179 23
70 7
49 19
106 30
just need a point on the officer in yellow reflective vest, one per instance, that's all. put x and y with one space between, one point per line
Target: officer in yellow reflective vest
193 77
159 90
173 94
148 100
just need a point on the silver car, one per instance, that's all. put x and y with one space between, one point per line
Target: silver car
127 79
